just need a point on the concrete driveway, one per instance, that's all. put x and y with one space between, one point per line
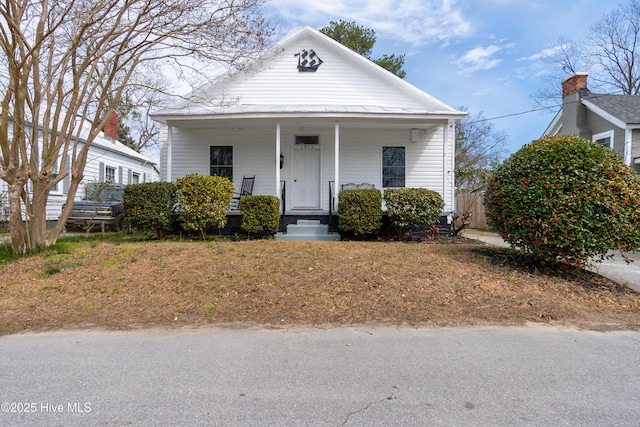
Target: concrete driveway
616 268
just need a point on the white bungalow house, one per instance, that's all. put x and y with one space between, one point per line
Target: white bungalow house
308 118
108 160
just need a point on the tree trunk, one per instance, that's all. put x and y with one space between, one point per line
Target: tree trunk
38 216
17 229
52 236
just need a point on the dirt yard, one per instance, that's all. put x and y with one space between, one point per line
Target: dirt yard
132 285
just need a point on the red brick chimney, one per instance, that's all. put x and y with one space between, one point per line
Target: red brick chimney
111 126
574 84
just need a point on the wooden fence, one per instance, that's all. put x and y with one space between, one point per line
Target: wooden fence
472 202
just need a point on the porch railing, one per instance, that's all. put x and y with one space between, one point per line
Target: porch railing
283 199
331 202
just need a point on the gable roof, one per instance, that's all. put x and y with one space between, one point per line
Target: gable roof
345 84
118 147
101 141
625 108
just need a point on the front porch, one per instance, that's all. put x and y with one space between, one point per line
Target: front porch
300 162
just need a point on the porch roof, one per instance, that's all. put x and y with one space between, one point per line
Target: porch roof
199 114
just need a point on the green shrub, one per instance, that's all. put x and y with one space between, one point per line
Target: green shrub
565 199
204 202
360 211
412 208
149 207
260 214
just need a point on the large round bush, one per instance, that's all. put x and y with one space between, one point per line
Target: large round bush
150 207
565 199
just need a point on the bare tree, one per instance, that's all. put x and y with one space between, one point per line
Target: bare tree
613 43
562 60
608 51
478 149
146 91
66 62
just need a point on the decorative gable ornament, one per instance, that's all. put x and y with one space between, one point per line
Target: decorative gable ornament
308 60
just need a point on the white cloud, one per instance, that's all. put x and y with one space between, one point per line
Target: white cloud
545 53
411 21
480 58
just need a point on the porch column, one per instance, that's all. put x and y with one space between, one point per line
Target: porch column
450 173
628 144
445 139
277 162
169 151
336 165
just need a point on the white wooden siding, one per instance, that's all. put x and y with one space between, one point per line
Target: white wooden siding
427 161
253 154
164 150
340 80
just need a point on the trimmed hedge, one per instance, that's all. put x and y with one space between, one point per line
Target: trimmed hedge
260 214
565 199
204 202
412 209
360 211
149 207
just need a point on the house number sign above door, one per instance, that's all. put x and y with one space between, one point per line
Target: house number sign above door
308 60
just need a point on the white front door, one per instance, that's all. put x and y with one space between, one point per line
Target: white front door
306 176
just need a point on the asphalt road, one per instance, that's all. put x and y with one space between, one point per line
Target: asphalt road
538 376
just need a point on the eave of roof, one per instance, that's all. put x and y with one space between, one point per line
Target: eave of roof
309 111
622 110
105 143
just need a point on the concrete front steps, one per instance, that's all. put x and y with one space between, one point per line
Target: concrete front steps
307 229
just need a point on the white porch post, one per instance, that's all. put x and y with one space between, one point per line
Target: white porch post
336 177
169 151
277 163
451 172
628 144
445 140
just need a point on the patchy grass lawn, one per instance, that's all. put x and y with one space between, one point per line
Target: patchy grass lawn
129 285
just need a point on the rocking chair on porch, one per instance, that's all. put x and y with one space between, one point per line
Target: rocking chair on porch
245 190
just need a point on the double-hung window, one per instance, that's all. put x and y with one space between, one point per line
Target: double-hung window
393 167
605 139
221 161
110 174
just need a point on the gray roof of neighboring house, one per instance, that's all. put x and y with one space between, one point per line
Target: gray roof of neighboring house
624 107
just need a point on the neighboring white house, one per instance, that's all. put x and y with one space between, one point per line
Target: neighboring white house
309 114
108 160
610 120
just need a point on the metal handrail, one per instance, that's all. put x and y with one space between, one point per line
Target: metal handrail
283 201
331 202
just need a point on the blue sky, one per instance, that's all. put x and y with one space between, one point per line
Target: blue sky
480 54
